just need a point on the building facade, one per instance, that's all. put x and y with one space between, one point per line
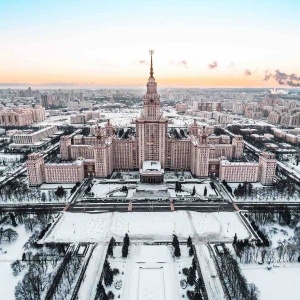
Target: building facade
22 116
150 139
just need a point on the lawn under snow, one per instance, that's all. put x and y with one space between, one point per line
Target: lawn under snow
85 227
275 284
150 274
14 251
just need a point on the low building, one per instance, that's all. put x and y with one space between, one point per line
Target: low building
38 171
239 171
151 172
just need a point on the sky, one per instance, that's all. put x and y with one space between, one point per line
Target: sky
106 43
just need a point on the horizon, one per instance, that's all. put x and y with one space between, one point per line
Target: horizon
196 45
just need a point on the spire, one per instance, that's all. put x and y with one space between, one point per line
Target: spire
151 65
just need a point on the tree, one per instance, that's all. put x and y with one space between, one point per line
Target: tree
191 251
110 248
110 295
250 189
17 267
100 292
175 241
194 191
108 278
194 264
198 286
125 247
13 220
10 235
60 192
234 239
205 191
191 278
189 242
43 197
177 252
108 274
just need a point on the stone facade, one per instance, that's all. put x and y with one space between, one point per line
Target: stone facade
194 148
22 116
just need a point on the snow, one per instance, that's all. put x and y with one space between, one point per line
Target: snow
212 284
150 274
11 157
92 274
219 226
278 234
101 190
151 225
275 284
80 227
160 226
200 188
14 252
54 186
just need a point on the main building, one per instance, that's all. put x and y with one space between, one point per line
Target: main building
150 146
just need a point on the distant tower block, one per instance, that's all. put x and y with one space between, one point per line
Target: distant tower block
267 163
65 143
238 146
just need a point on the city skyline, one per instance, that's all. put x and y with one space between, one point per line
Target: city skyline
106 44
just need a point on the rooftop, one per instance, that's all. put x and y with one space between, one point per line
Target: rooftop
150 165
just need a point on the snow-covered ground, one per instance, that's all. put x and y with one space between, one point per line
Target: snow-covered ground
101 190
14 251
88 286
262 194
104 190
84 227
275 284
209 272
150 274
218 226
200 188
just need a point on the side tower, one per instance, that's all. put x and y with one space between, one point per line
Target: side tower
64 147
238 146
151 127
267 165
194 128
35 169
103 154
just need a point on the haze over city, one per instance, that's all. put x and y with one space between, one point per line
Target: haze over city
105 43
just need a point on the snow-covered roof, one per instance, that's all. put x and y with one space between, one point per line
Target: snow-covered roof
150 165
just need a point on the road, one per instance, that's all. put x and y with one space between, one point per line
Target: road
212 282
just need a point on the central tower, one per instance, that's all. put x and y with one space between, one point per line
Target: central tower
151 110
151 127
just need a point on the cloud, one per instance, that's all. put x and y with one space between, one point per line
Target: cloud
247 72
143 62
183 63
213 65
268 75
282 78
